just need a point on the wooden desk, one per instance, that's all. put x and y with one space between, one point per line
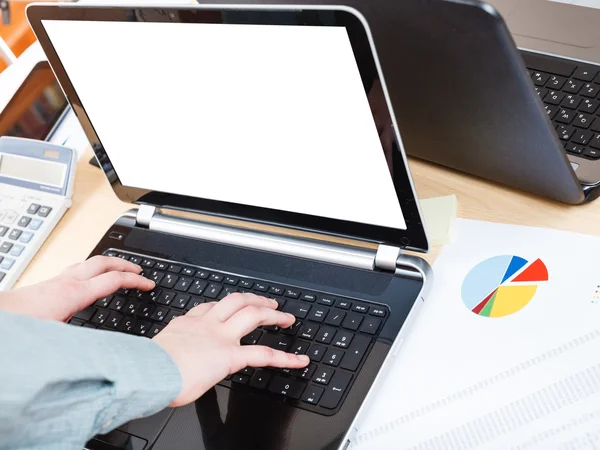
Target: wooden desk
95 208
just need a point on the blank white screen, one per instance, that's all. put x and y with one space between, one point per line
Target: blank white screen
269 116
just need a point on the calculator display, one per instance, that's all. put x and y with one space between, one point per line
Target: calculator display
32 170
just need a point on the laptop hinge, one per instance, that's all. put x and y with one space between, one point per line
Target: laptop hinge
144 215
386 258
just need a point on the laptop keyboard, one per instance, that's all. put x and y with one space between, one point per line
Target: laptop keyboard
335 332
569 91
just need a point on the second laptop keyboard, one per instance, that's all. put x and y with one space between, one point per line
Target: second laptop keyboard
569 91
335 332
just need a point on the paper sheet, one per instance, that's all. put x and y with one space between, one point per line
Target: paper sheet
586 3
527 380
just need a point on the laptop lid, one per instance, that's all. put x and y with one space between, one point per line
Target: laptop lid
279 115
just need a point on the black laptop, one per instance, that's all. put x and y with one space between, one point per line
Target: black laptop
271 116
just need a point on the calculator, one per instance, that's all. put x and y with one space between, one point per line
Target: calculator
36 184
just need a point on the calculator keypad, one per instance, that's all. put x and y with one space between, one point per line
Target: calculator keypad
17 231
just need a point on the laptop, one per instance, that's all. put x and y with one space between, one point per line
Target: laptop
261 149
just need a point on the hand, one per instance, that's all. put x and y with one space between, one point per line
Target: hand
205 343
78 287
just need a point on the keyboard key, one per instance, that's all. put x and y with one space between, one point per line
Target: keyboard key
323 375
276 341
233 281
565 132
360 308
556 82
188 271
226 291
44 211
213 290
595 142
127 324
297 309
26 237
287 387
246 284
589 90
541 92
174 268
585 73
35 224
583 120
85 314
252 338
377 311
353 321
293 330
571 101
159 314
333 357
335 318
308 298
261 287
132 307
308 331
181 300
156 276
592 153
104 301
202 274
147 263
370 325
166 298
154 330
114 320
355 352
195 301
292 293
573 86
2 275
334 392
135 260
118 303
326 301
24 221
160 265
312 394
305 373
183 284
589 106
576 149
299 347
582 137
172 315
318 314
3 230
596 125
540 78
316 352
554 97
169 281
197 287
14 234
325 335
17 250
343 304
7 263
260 379
551 111
216 277
141 327
343 338
33 208
276 290
146 311
565 116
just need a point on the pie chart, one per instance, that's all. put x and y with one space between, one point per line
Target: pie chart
502 285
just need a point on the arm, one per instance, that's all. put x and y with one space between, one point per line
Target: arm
61 385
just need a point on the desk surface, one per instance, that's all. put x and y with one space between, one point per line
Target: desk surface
95 208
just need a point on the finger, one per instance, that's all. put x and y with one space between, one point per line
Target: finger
107 283
261 356
252 317
235 302
98 265
201 309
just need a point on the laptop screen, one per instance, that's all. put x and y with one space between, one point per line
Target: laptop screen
263 115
